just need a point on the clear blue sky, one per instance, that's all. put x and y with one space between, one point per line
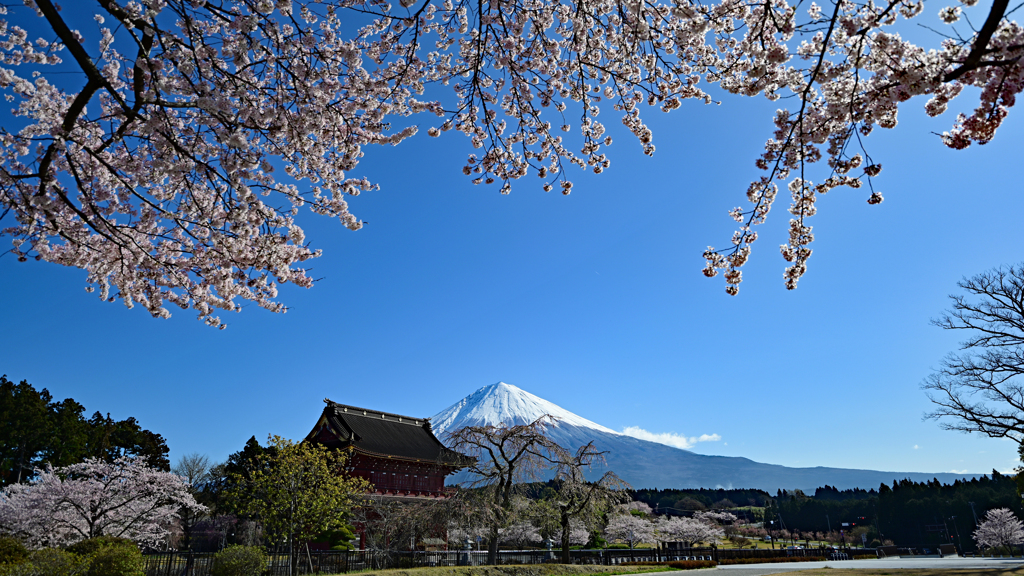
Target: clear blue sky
593 301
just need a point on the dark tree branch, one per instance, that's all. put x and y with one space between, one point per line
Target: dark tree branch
980 46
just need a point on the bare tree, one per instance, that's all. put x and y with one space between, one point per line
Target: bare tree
195 468
387 523
579 499
505 457
980 389
464 515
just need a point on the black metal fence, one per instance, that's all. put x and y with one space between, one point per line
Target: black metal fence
343 562
741 553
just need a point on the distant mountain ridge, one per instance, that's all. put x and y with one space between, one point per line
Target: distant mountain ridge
647 464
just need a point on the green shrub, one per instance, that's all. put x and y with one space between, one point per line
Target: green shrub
240 561
93 545
48 562
110 556
117 561
12 551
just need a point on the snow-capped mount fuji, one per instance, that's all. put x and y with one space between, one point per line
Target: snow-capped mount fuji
647 464
503 403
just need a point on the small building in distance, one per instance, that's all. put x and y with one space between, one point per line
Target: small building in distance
399 455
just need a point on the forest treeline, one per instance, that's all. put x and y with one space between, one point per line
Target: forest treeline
908 513
922 514
39 430
674 501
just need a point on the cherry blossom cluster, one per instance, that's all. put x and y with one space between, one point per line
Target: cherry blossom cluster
629 529
520 534
154 170
688 530
1000 527
849 73
125 498
521 69
157 177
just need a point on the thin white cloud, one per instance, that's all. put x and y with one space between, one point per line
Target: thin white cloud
669 438
959 471
916 447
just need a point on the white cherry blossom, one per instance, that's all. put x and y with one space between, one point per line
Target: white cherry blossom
154 169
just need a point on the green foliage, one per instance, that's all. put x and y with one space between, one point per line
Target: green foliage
12 551
48 562
93 545
117 561
596 540
297 490
39 429
110 439
230 481
110 556
340 539
1019 477
240 561
708 498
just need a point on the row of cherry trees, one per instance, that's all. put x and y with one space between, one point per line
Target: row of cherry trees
571 510
631 523
634 524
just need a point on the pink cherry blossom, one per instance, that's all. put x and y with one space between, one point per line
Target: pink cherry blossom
153 170
125 498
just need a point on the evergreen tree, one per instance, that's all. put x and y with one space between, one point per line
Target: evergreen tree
38 430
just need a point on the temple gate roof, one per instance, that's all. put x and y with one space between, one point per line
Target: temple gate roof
382 434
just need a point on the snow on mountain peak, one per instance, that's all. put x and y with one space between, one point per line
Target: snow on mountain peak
508 404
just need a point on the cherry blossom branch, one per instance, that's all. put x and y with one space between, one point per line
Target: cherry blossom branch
980 45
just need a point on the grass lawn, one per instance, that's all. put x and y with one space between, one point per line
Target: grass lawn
519 570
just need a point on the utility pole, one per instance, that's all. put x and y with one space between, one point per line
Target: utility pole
829 522
975 514
877 529
957 528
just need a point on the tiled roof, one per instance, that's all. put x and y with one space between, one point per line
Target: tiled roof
383 434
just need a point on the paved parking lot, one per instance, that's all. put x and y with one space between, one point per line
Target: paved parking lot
951 563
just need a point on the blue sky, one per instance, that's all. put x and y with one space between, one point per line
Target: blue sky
593 301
